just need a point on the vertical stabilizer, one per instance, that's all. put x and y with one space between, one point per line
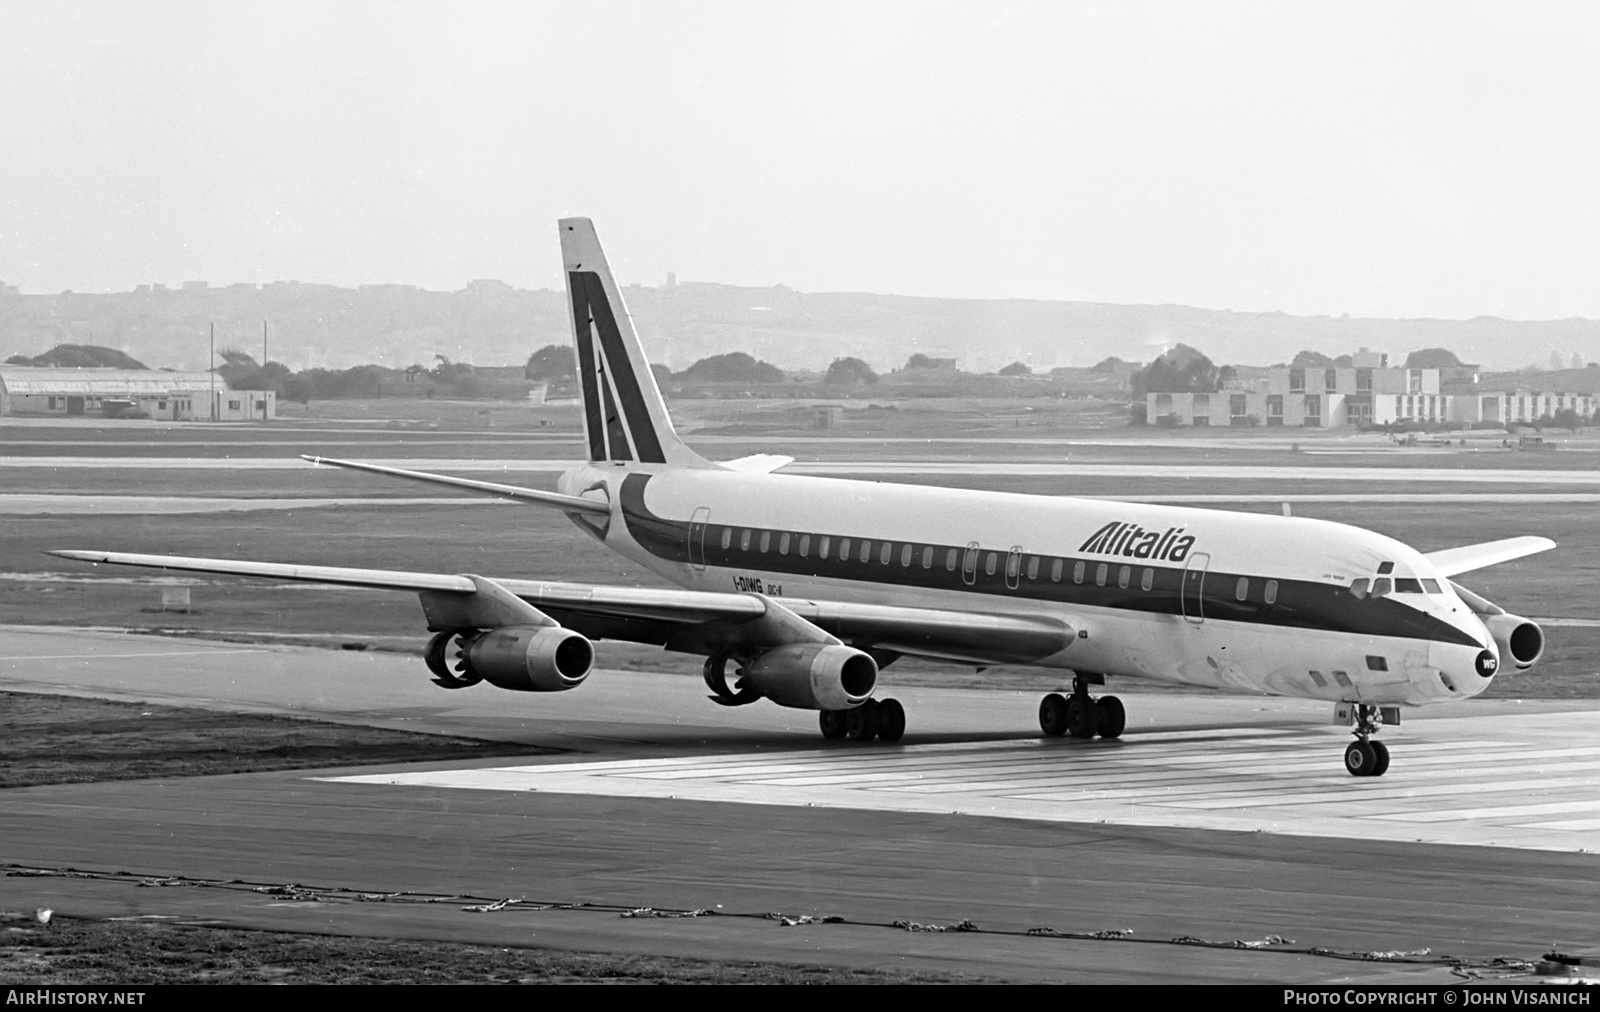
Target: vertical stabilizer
624 414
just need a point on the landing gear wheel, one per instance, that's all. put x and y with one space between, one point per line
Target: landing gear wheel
1053 715
1081 717
1112 718
834 724
861 723
1381 751
1361 759
891 720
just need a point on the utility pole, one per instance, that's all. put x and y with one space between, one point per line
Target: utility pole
213 371
263 366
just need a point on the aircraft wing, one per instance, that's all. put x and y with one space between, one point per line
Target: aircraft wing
1452 561
690 620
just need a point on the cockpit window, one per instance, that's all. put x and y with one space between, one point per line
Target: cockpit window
1358 589
1382 586
1431 587
1406 585
1385 568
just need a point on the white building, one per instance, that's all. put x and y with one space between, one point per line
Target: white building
175 396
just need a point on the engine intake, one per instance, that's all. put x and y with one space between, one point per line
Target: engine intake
530 659
813 676
1520 641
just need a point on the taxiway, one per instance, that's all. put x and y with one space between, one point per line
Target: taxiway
1215 818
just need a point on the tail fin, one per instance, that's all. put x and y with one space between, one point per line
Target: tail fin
624 414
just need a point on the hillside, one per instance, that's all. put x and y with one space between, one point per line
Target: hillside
490 323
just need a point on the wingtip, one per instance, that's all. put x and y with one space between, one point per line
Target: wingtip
77 555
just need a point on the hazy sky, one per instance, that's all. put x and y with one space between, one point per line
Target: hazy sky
1395 159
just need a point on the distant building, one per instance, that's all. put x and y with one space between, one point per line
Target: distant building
1371 394
175 396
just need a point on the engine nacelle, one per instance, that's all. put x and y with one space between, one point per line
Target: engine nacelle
530 658
1521 642
813 676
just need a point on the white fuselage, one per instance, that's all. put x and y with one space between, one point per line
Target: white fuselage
1239 601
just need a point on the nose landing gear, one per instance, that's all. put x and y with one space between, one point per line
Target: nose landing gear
1081 716
1365 757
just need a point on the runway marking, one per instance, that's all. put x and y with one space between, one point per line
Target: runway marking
1537 794
153 653
27 504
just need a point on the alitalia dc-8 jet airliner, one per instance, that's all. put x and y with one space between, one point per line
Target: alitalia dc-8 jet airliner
799 590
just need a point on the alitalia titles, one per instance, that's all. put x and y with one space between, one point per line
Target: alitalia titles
1134 542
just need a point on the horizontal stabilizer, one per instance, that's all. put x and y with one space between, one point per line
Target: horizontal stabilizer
758 463
1452 561
532 496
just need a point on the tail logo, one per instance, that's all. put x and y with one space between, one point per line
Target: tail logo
615 413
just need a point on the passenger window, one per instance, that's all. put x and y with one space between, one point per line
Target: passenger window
989 563
744 541
1013 565
950 560
805 545
1123 575
905 555
1100 572
886 553
1033 567
1358 588
1431 586
822 547
766 541
1269 593
727 537
1055 571
783 543
1077 572
844 549
1241 590
1148 580
866 551
927 558
969 564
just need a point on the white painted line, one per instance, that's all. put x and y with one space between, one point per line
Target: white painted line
1264 780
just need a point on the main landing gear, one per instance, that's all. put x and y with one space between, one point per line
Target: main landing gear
1079 715
883 719
1365 757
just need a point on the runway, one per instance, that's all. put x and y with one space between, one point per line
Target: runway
1215 817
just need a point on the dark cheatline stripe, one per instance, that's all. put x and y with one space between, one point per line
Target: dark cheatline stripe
1301 604
620 368
583 337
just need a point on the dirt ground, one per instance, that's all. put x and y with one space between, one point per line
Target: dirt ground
79 952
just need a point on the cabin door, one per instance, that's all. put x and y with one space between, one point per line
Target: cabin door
1194 583
697 539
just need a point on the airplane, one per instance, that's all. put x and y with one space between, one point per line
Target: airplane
809 586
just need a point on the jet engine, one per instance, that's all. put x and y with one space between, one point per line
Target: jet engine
812 676
1520 641
520 658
